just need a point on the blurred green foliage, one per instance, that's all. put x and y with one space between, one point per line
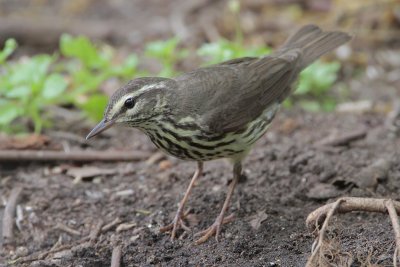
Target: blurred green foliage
74 75
31 84
225 50
168 54
88 68
315 81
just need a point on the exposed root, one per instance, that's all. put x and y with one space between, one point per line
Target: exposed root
324 214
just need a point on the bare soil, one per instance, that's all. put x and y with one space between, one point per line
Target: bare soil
284 173
288 173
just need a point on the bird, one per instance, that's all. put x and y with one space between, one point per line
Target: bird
217 111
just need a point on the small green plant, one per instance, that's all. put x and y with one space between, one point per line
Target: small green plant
9 48
168 54
88 68
26 86
225 50
29 85
315 82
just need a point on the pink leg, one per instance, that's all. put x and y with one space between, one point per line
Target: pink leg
215 228
178 220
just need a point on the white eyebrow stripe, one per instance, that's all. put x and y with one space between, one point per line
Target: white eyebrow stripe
145 88
118 105
152 86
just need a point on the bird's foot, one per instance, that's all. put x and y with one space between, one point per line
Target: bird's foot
214 229
176 224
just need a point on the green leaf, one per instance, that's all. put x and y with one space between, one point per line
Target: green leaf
161 49
127 69
167 53
31 71
54 85
82 48
310 105
19 92
94 106
8 112
131 61
224 50
318 78
8 49
328 104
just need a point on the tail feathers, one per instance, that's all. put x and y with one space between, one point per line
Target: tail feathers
313 43
302 36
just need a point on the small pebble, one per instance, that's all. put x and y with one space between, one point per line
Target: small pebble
21 252
165 165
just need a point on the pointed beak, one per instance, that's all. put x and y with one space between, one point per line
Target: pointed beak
101 127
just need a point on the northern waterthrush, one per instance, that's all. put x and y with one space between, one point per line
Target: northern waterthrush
217 111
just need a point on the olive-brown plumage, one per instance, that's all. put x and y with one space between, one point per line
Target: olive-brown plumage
217 111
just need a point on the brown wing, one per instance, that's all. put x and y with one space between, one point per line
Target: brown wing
261 84
230 95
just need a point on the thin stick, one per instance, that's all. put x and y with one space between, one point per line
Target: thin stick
9 212
110 225
95 232
396 227
116 257
67 229
343 139
43 155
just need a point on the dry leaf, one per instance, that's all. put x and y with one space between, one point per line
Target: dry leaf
257 219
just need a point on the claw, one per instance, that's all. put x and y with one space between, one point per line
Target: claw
175 225
215 228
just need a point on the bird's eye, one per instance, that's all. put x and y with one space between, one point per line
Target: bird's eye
129 103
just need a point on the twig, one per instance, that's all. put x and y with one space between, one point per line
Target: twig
343 139
125 226
45 155
116 257
156 157
9 212
57 244
396 227
349 204
43 255
110 225
67 229
95 232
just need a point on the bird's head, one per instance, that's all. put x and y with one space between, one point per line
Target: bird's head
135 103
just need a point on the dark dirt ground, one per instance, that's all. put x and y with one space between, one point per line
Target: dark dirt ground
270 206
288 174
